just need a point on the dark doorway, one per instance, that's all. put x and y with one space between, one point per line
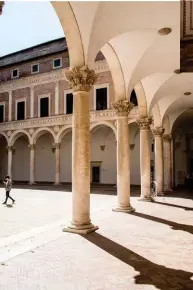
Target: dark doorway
133 98
96 174
69 103
101 99
44 107
190 166
20 110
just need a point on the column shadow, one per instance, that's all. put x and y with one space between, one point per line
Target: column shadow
149 273
174 205
173 225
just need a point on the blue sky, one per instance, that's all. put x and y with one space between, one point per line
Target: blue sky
24 24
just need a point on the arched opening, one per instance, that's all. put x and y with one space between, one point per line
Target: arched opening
66 157
103 155
133 98
44 158
21 159
3 157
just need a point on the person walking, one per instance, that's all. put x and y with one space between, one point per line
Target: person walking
8 186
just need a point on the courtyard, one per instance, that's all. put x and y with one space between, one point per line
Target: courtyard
149 249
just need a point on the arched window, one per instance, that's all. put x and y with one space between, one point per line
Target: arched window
133 98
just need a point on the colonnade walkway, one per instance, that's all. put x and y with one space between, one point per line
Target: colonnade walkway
149 249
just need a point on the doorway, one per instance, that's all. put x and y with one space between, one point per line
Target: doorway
95 172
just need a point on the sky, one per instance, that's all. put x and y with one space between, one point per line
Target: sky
25 24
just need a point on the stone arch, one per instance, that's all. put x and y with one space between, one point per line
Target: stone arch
72 33
40 132
156 116
63 131
104 123
141 99
17 134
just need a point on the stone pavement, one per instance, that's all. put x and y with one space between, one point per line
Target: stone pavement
150 249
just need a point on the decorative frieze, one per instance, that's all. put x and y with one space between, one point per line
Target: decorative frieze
167 138
122 108
144 123
81 79
158 131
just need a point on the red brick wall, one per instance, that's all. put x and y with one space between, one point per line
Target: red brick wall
63 85
20 94
4 97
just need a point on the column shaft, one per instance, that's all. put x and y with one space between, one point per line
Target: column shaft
159 169
144 124
57 164
31 102
10 106
81 79
32 164
122 109
168 162
10 154
56 98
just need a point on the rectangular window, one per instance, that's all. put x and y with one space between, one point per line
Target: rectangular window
15 73
21 110
44 107
69 103
35 68
101 99
1 113
57 63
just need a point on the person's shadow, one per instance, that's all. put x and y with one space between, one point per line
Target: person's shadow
9 205
149 273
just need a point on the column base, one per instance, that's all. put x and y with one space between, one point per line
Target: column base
147 198
127 209
56 183
32 183
160 193
82 230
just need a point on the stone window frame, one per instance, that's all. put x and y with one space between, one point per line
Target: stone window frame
37 70
55 67
3 104
17 73
101 86
70 91
49 104
18 101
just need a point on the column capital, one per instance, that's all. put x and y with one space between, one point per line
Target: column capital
144 123
81 79
56 145
32 146
122 108
158 131
10 148
167 138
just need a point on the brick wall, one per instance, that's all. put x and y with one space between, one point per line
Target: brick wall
4 97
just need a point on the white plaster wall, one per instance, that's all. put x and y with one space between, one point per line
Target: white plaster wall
45 159
3 158
21 160
108 156
66 158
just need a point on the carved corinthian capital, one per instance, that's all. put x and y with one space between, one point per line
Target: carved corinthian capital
1 6
158 131
167 138
122 108
81 79
144 123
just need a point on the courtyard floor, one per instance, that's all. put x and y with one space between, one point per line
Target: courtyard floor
150 249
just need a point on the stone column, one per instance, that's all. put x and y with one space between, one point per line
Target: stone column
10 106
56 98
168 161
81 80
159 169
10 155
31 102
123 109
57 163
144 124
32 163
